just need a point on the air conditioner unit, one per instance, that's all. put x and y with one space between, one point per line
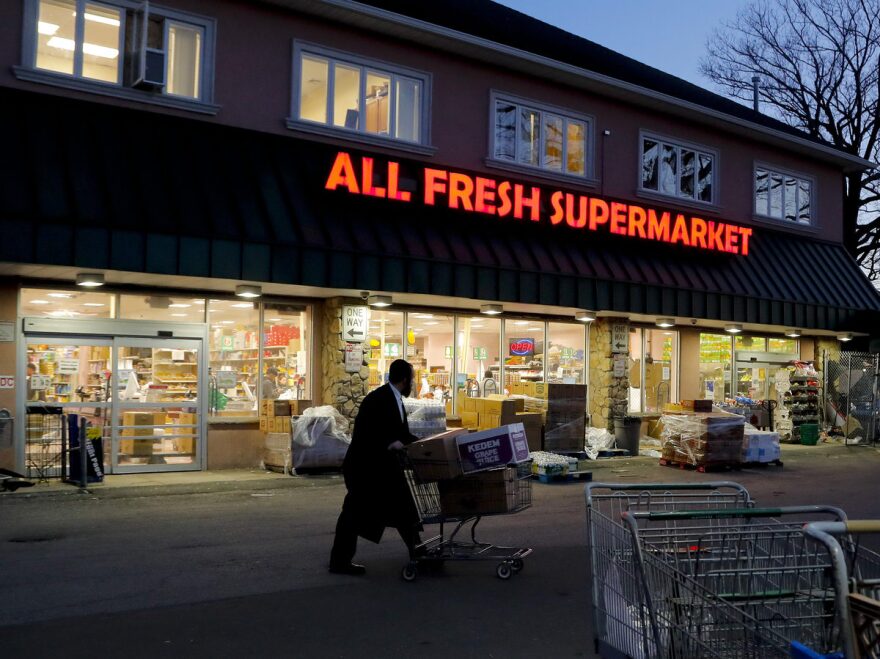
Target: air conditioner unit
147 46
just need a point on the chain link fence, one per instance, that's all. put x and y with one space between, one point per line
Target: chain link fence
851 400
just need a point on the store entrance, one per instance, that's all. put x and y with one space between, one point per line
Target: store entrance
146 395
756 373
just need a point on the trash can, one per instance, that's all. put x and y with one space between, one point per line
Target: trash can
627 431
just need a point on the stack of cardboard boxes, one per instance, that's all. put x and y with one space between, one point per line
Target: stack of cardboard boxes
497 410
703 439
141 428
566 417
275 415
472 469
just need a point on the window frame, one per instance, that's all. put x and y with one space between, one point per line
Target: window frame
679 144
29 72
366 66
813 224
588 178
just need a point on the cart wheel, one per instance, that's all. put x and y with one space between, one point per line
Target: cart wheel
410 572
503 571
517 565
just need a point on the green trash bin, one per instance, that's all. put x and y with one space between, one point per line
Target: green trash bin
809 434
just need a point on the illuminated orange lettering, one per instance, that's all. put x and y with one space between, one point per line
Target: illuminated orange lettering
394 182
637 219
367 179
598 213
532 202
698 232
485 202
342 173
556 202
744 240
658 228
680 231
578 221
435 181
715 232
618 217
504 195
461 187
730 237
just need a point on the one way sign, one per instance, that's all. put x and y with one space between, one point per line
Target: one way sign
354 323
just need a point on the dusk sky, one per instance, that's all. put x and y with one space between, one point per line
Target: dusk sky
669 35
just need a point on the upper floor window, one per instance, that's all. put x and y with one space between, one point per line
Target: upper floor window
782 196
126 44
678 170
540 137
350 93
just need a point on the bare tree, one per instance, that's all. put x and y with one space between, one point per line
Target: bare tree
818 64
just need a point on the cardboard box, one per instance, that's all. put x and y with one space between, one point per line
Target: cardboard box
702 406
297 407
281 407
436 458
264 424
285 424
488 421
534 426
541 389
148 420
184 444
470 420
469 404
267 407
272 425
489 449
479 494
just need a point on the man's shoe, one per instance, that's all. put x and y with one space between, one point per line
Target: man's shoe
352 569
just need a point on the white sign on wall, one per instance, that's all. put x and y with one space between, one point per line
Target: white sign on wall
354 357
619 365
7 331
7 382
68 366
40 382
619 337
354 323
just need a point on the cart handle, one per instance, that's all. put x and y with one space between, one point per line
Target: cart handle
737 512
653 487
850 526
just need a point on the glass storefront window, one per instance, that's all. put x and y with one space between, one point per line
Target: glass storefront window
783 346
479 356
635 369
523 353
566 360
751 343
234 344
384 344
716 354
429 342
49 303
285 352
162 307
653 374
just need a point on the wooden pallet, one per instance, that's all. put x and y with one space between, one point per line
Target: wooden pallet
703 468
761 465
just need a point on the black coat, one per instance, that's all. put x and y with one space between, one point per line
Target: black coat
374 477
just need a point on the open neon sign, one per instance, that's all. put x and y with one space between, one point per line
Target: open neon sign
503 198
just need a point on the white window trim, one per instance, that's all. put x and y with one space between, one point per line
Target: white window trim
294 122
781 221
679 144
589 176
28 71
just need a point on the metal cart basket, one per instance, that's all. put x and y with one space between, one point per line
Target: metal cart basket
458 505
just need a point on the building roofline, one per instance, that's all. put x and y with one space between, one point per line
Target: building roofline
427 33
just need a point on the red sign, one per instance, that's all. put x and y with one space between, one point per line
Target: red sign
522 347
490 196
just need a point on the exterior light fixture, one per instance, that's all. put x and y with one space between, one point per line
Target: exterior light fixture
793 333
492 309
733 329
379 301
845 337
248 291
665 322
90 279
585 316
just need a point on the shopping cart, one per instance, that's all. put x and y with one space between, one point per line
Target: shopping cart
460 504
856 574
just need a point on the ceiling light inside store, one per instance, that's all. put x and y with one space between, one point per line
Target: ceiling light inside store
585 316
179 315
47 28
521 322
90 279
60 295
199 301
845 337
248 291
241 305
492 309
665 322
733 329
40 302
432 323
93 304
63 313
227 322
179 305
274 320
423 316
379 301
793 333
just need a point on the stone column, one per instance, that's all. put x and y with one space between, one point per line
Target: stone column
609 396
344 391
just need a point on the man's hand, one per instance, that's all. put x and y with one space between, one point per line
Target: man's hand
396 446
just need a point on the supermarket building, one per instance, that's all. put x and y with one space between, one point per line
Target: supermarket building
208 204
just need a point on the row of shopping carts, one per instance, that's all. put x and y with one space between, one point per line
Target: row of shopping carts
699 570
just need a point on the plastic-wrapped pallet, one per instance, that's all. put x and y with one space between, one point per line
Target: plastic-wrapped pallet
426 417
549 464
703 439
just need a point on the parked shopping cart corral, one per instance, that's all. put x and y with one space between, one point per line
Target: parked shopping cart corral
458 505
698 570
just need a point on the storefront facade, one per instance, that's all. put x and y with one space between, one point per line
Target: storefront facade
527 221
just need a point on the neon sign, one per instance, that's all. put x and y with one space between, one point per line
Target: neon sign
533 203
522 347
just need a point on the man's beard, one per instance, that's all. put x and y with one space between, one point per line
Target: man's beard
406 390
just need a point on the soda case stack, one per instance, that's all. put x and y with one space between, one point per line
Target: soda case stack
425 417
703 439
